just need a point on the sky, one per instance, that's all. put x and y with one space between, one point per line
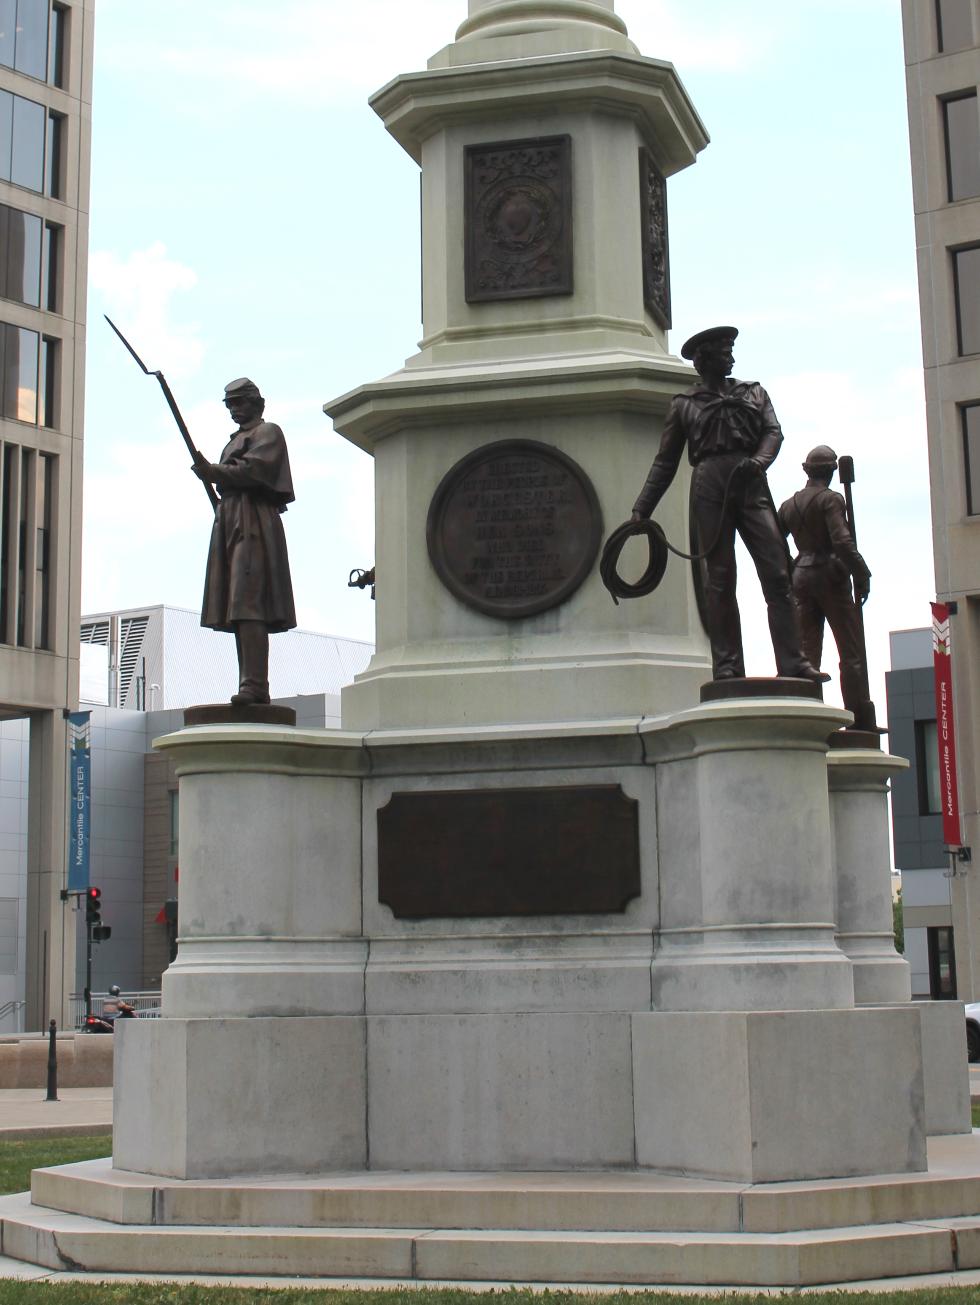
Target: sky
251 216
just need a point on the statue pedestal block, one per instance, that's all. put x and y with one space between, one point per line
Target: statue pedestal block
344 995
210 1098
777 1096
746 877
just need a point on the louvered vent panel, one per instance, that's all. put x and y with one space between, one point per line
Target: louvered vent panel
95 632
132 629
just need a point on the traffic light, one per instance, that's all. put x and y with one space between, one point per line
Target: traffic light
93 906
93 916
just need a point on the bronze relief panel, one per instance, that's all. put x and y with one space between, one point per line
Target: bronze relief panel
518 219
656 254
514 528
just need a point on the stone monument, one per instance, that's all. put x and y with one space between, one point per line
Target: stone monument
507 927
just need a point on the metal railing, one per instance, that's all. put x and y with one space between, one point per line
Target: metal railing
12 1008
145 1003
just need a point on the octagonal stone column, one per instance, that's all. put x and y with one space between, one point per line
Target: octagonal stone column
858 780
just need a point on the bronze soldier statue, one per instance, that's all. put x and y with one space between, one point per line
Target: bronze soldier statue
828 561
247 589
732 436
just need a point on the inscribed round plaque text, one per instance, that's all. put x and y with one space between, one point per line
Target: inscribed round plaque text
514 528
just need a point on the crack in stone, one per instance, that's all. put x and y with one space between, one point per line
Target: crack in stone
67 1262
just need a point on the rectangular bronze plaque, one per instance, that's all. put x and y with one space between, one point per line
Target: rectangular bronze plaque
656 252
527 851
518 219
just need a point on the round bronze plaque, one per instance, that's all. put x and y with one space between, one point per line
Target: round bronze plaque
514 528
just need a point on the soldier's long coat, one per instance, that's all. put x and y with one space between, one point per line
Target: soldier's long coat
248 568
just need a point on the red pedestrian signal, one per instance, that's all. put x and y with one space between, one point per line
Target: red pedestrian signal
93 906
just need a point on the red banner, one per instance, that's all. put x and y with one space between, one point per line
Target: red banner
945 731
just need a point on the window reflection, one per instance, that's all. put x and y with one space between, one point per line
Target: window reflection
8 27
20 256
966 278
24 36
971 456
30 145
6 132
31 50
962 124
27 144
954 24
19 356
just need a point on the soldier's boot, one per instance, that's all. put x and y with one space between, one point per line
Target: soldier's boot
252 638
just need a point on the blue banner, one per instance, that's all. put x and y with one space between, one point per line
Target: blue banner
80 799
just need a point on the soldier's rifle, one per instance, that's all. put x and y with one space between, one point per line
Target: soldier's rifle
196 455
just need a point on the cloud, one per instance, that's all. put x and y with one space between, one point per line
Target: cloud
137 293
312 53
692 37
318 53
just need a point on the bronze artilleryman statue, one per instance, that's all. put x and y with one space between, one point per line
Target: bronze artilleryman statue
732 436
247 589
828 559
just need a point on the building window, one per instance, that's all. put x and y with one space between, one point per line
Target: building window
42 560
49 389
970 416
961 122
24 36
19 359
28 517
174 798
53 183
966 283
30 145
927 767
20 256
954 25
57 44
26 166
7 534
942 963
51 268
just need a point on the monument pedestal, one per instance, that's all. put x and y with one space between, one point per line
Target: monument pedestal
347 993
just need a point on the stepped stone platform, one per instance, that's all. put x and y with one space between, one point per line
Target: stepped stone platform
611 1227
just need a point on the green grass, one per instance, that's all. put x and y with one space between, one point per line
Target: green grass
22 1293
976 1114
18 1158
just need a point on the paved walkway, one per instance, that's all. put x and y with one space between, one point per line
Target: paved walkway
78 1112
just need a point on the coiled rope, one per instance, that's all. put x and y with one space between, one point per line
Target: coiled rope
658 546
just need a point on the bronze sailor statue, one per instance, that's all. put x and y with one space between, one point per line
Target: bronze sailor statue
732 436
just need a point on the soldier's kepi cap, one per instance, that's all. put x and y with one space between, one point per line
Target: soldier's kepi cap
690 347
243 388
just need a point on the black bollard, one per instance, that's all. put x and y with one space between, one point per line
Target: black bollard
52 1063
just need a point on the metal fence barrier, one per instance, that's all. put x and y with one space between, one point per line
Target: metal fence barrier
12 1012
146 1004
